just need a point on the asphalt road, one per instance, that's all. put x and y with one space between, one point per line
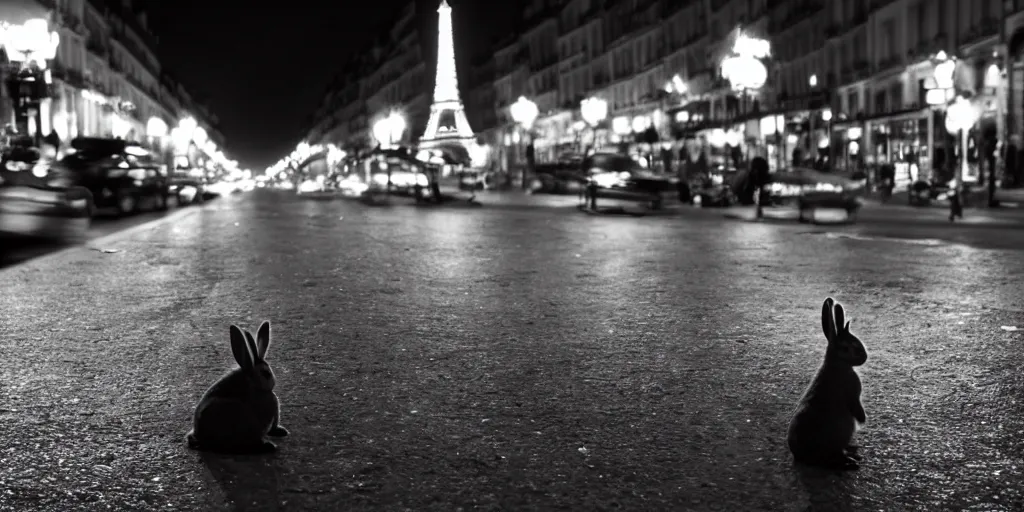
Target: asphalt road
17 249
512 358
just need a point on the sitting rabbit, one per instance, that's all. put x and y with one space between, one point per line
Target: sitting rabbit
831 411
240 409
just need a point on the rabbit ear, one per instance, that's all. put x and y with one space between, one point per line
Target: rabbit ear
846 329
251 343
840 315
828 323
262 340
240 348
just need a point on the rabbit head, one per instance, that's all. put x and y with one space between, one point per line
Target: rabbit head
250 353
843 346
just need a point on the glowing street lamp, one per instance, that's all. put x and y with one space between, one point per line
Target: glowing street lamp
32 45
524 112
156 128
744 69
594 110
389 130
29 43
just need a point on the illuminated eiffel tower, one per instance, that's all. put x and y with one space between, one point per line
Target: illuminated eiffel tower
447 123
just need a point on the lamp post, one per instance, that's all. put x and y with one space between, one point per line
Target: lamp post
746 72
961 116
744 69
524 113
30 45
388 132
594 110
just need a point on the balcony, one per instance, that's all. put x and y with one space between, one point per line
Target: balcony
97 47
889 63
986 28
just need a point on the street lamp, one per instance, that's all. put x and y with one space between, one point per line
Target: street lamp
826 116
524 113
594 110
389 130
744 69
746 72
961 116
32 45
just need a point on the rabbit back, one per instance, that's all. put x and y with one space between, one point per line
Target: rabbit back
823 422
232 416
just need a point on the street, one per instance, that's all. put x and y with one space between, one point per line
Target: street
17 249
513 358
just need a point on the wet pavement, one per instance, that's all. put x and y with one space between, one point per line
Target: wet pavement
512 358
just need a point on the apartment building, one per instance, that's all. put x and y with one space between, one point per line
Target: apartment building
842 71
396 83
390 75
107 78
883 74
480 96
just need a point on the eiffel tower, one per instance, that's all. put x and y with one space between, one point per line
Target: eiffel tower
447 124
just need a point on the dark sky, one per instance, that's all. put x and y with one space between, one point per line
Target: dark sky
263 67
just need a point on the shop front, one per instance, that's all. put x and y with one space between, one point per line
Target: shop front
910 143
552 136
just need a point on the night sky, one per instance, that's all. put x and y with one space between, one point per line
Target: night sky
263 68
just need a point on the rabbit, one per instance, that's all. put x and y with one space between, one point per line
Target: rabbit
238 411
830 411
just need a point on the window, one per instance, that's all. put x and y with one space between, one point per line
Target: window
896 96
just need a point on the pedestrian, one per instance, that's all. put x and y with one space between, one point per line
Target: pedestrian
956 208
760 176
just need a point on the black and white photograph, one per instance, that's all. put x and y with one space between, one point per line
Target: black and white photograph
512 255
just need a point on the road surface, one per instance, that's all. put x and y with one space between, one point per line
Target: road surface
512 358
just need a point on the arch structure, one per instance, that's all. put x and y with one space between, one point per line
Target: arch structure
313 157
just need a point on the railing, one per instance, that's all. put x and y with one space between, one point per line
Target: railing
97 47
986 28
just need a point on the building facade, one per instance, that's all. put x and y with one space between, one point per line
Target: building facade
107 77
846 79
391 74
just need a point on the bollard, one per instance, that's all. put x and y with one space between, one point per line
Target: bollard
592 191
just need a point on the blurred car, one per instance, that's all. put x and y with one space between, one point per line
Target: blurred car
617 176
189 185
559 178
120 174
31 205
811 193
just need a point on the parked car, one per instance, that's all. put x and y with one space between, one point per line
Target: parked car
32 205
189 185
120 174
